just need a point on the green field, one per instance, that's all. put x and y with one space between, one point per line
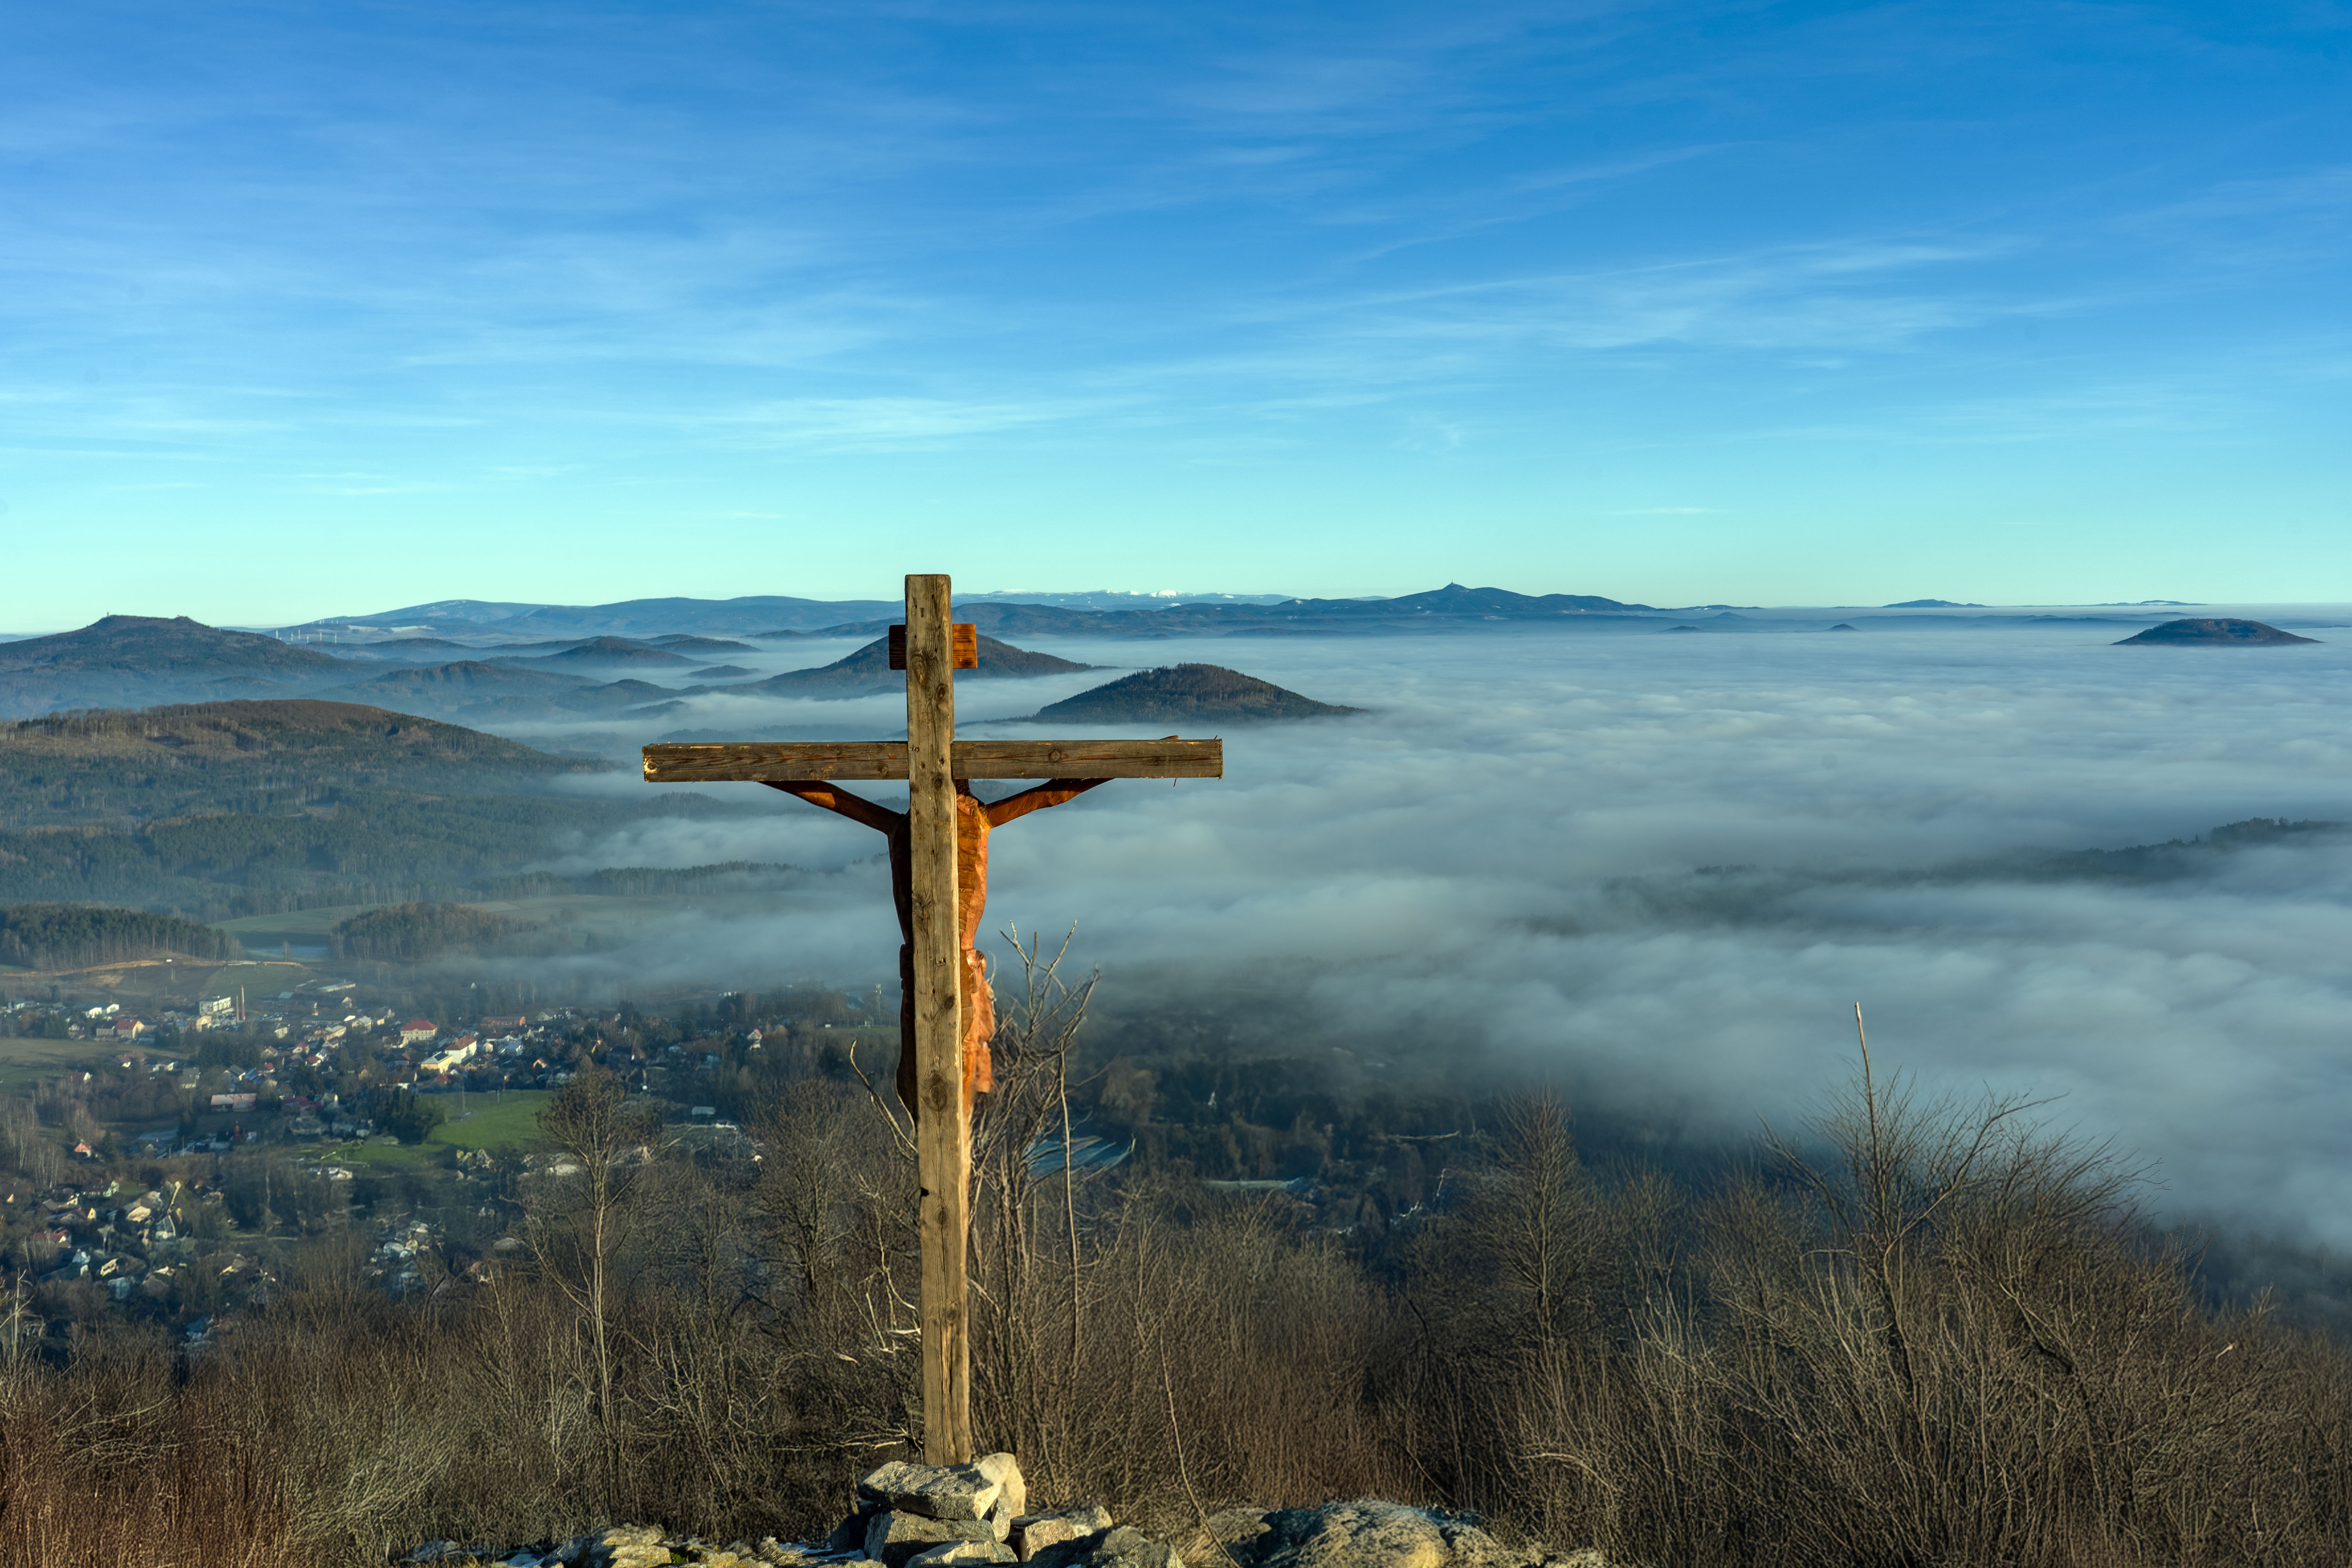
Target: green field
261 981
28 1061
415 1156
492 1120
261 932
500 1120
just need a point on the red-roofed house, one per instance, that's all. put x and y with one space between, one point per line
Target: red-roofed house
417 1029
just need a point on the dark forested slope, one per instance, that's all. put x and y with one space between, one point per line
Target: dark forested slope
75 936
251 808
163 762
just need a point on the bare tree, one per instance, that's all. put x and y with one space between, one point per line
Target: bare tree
581 1218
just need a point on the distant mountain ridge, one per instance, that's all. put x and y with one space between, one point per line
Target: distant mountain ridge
140 660
1101 613
606 652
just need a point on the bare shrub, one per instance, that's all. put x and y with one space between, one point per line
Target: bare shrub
1921 1332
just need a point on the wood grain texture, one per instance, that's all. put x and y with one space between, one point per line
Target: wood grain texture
943 1131
1090 758
964 637
767 762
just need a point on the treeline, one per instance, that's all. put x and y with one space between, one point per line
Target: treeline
77 936
410 932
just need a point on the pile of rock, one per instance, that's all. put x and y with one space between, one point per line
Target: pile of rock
623 1546
939 1516
945 1516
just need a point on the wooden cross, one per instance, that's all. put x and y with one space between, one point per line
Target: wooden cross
938 865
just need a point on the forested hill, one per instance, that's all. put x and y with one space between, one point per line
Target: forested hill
235 808
245 756
75 936
1188 693
867 671
123 659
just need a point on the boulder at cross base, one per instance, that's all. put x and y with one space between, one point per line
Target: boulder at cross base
1033 1532
956 1553
1012 1493
630 1546
894 1537
943 1492
1122 1547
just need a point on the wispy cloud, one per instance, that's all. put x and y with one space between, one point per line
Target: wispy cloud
869 424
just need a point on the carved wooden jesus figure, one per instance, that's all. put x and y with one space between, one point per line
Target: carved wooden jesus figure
975 820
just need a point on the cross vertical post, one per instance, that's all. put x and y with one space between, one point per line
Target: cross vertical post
939 874
943 1132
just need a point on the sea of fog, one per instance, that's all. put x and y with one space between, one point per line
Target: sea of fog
1659 869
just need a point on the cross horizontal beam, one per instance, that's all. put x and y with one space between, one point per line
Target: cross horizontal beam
733 761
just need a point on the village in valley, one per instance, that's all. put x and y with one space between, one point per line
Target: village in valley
189 1148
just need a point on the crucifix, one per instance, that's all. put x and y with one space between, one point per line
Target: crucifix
939 880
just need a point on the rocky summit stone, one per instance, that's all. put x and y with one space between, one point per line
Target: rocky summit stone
893 1538
1012 1493
935 1491
630 1546
1119 1547
1126 1547
655 1556
1365 1534
1033 1532
952 1553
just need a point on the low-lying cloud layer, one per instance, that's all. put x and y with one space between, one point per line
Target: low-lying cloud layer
1661 871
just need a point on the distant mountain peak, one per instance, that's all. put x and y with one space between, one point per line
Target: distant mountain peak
868 670
1188 693
2215 632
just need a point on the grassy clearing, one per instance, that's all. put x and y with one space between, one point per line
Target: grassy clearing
493 1121
309 925
499 1120
261 981
408 1156
28 1061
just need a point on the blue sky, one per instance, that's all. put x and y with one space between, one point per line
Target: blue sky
308 309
